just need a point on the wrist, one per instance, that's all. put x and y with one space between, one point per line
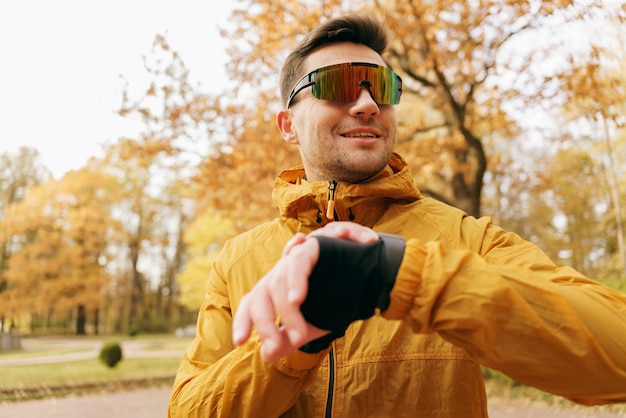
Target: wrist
393 254
408 281
351 280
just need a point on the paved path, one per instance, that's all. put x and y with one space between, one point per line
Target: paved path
152 403
501 408
141 403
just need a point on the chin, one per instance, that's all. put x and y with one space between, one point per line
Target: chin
361 173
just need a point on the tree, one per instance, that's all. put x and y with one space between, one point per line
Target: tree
91 231
154 170
58 234
204 238
454 59
236 181
568 204
18 172
596 104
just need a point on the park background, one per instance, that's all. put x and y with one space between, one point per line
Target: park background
511 109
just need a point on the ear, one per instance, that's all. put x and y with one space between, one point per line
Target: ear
285 126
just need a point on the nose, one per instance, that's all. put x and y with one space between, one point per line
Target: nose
364 105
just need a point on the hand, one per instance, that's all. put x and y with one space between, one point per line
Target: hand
283 289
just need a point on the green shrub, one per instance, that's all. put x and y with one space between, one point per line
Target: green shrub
616 283
111 354
499 377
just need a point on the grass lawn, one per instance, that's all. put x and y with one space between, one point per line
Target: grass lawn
31 381
85 371
35 381
74 377
12 355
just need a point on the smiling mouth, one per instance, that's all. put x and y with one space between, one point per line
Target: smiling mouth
360 135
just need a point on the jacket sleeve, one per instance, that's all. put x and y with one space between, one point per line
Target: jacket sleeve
217 379
513 310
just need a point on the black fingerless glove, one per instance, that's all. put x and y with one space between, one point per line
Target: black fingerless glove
321 343
351 280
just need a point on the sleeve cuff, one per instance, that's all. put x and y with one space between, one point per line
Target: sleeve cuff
393 247
408 281
299 362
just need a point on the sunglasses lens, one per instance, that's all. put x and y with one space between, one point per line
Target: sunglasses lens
343 83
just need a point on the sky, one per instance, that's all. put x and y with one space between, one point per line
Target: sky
64 65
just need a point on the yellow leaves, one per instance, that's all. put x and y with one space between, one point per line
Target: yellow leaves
206 230
224 152
238 178
203 237
138 155
58 233
192 280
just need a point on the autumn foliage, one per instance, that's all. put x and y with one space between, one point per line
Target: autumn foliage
510 108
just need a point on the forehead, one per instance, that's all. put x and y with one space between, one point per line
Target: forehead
337 53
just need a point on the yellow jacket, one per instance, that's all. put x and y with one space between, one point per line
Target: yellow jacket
467 293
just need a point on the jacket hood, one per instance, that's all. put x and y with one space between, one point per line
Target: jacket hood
363 202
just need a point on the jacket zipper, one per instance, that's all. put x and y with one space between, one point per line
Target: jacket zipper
331 383
330 209
330 214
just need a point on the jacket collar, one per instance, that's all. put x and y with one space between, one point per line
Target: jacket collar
364 202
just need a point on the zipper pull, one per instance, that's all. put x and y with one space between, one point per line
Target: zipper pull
330 209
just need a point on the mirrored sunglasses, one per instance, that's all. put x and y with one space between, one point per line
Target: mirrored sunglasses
343 82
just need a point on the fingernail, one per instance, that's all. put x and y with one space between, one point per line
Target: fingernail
368 236
269 345
294 336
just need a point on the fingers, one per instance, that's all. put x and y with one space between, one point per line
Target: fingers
260 307
274 349
256 309
262 314
282 291
305 257
298 238
242 322
285 347
291 292
348 230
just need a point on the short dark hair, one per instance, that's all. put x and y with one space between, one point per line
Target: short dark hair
358 29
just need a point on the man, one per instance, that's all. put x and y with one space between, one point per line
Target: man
334 319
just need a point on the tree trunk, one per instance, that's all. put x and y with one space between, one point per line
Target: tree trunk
81 320
96 321
613 186
136 297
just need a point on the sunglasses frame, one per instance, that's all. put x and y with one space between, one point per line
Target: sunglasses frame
309 80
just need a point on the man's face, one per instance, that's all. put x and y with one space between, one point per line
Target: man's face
345 141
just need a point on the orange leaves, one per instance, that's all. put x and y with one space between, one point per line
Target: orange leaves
59 234
144 152
204 237
469 69
456 60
